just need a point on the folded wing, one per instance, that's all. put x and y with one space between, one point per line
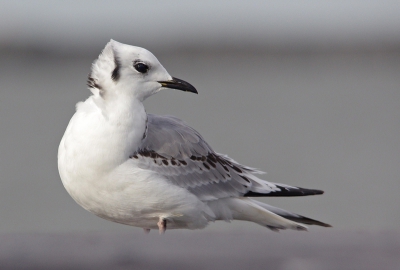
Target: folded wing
180 154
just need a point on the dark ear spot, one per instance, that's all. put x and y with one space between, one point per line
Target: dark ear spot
116 72
92 83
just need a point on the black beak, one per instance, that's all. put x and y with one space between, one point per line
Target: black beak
178 84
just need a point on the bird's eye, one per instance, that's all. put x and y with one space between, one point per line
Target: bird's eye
141 67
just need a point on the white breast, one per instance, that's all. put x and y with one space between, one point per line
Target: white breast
94 145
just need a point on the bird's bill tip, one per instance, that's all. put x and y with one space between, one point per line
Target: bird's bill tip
178 84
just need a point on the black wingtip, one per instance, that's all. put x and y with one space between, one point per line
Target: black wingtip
308 221
286 192
303 219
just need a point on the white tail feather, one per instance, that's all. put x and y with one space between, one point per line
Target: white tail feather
248 210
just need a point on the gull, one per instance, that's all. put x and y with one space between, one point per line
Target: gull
156 172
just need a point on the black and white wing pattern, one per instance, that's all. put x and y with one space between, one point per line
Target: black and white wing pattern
180 154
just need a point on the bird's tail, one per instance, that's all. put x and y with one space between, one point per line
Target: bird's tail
263 214
291 216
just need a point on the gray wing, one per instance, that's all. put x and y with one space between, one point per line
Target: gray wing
180 154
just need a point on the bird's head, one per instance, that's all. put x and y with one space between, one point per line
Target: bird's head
132 71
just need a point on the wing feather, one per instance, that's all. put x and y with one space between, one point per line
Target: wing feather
180 154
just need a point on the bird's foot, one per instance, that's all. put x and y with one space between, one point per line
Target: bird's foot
162 225
146 231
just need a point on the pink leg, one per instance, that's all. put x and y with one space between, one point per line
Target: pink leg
162 225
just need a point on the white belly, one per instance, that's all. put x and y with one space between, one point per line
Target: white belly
136 197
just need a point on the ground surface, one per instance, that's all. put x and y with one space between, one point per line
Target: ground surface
202 250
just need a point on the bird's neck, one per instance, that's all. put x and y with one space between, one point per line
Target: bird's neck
124 111
125 122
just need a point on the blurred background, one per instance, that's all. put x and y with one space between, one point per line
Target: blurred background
307 91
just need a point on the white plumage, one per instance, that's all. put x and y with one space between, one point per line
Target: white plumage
156 172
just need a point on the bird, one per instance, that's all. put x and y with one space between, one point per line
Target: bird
154 171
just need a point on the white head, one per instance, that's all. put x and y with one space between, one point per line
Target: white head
130 71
